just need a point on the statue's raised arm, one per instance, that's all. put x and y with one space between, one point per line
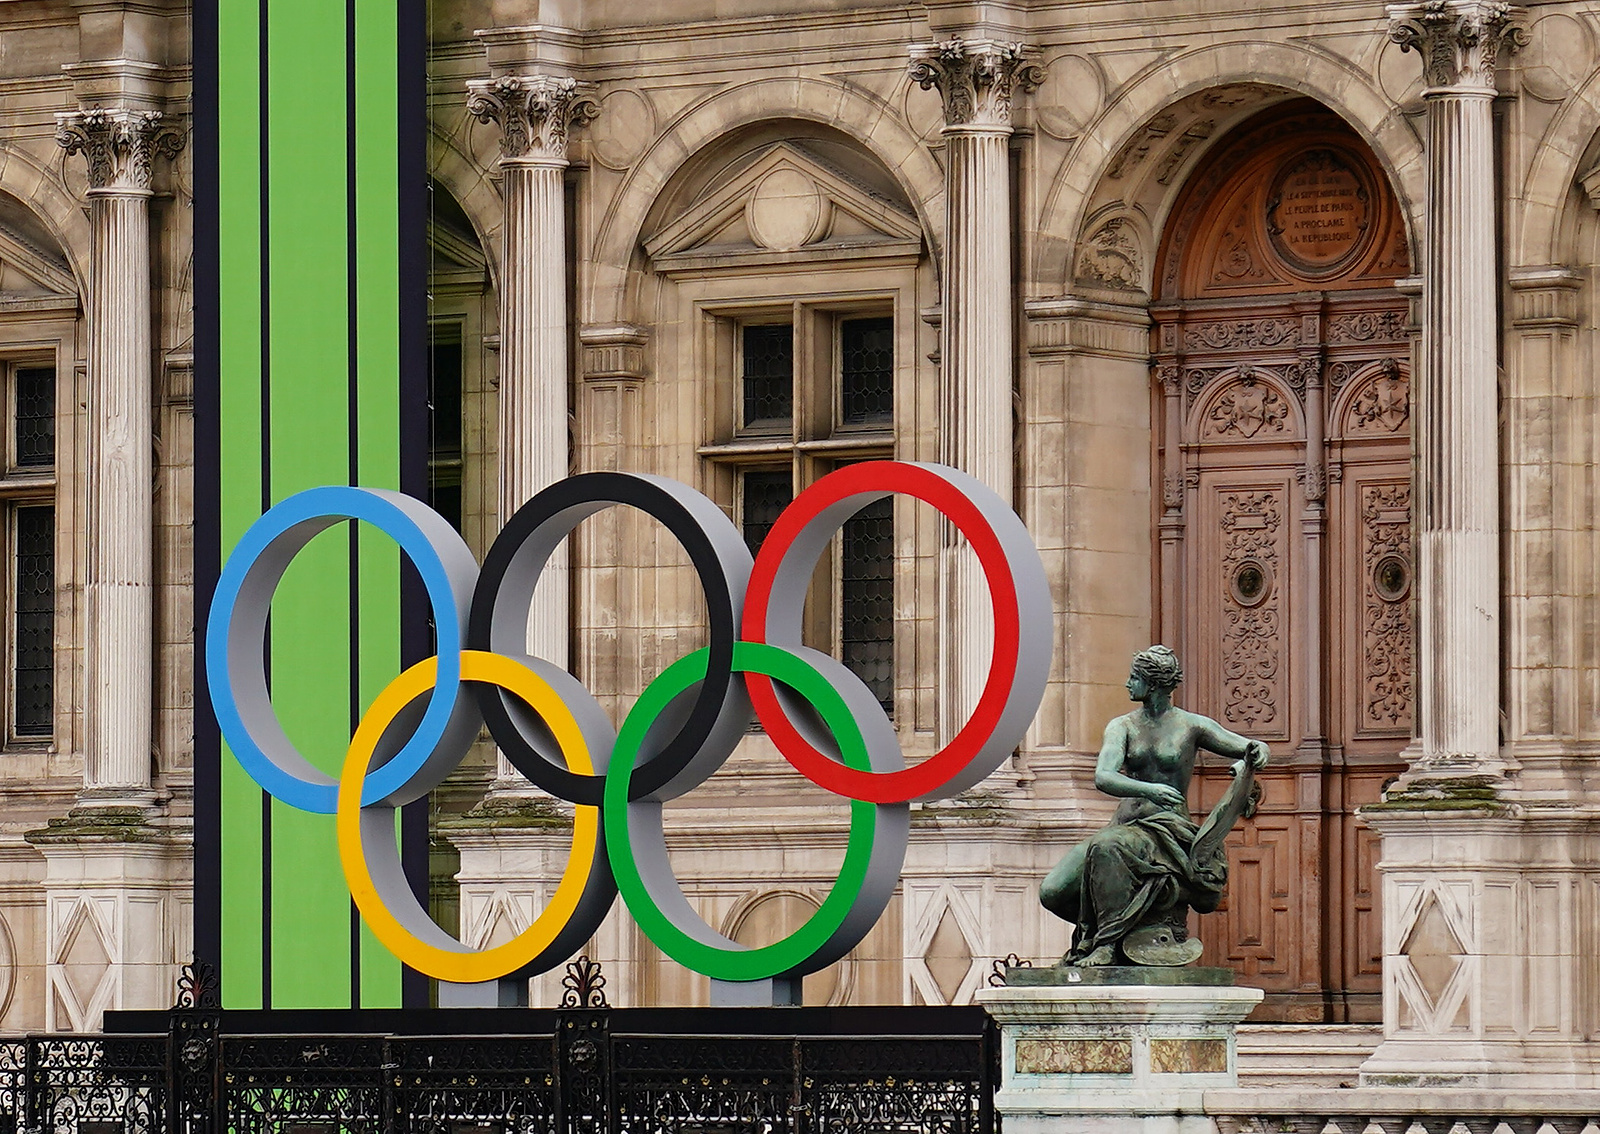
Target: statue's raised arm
1128 888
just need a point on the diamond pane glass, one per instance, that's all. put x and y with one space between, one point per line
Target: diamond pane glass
768 374
866 383
36 417
34 681
866 622
765 495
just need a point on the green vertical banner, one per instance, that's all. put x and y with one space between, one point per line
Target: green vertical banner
311 370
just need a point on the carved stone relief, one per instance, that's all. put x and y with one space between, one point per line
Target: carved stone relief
1139 147
1173 158
1112 256
1251 561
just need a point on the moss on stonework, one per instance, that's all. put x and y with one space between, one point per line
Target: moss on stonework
503 813
1446 793
101 824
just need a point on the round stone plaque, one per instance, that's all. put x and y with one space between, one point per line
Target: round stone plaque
785 211
1320 211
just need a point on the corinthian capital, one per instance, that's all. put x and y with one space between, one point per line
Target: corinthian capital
535 113
1459 40
119 144
976 80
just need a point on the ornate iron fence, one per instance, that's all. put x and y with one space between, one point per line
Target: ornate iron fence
582 1069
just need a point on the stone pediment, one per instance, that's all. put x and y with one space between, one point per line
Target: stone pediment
787 205
456 258
29 274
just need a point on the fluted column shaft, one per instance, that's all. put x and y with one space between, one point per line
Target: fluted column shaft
533 373
120 581
536 114
120 147
1459 513
976 81
976 425
1456 427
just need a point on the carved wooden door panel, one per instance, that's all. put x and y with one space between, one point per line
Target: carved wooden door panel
1285 536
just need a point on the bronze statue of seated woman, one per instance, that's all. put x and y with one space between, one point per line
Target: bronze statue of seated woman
1129 887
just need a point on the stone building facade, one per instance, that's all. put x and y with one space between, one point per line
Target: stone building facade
1275 323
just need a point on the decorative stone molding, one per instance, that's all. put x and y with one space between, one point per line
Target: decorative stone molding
613 351
1459 40
1081 326
976 79
1545 297
536 113
119 144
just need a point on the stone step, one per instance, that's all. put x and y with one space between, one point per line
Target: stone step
1308 1056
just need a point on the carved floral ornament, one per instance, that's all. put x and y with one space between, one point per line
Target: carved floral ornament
536 113
119 144
1459 40
976 79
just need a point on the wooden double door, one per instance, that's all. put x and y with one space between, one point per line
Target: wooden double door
1292 614
1281 353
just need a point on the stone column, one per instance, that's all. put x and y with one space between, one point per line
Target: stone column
120 146
976 81
1457 490
535 114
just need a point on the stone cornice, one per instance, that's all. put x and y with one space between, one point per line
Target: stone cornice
1459 40
977 79
536 114
120 145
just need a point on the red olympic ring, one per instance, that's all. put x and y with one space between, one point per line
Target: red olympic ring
865 482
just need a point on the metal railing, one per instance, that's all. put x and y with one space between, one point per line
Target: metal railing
583 1069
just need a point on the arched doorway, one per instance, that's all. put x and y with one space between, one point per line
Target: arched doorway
1283 520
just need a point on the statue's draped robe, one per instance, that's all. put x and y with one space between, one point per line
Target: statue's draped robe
1140 870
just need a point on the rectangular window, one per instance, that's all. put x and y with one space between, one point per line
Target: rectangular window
795 399
765 494
866 599
34 586
34 437
866 371
768 374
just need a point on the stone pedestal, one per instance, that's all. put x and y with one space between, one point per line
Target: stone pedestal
1489 977
1092 1055
118 911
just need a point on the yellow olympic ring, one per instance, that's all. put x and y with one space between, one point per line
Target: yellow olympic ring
371 861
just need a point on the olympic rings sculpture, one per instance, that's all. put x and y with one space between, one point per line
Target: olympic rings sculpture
685 725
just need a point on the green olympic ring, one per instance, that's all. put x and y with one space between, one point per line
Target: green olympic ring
873 855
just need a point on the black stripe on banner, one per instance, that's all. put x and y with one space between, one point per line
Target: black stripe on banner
207 481
266 468
352 420
412 111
